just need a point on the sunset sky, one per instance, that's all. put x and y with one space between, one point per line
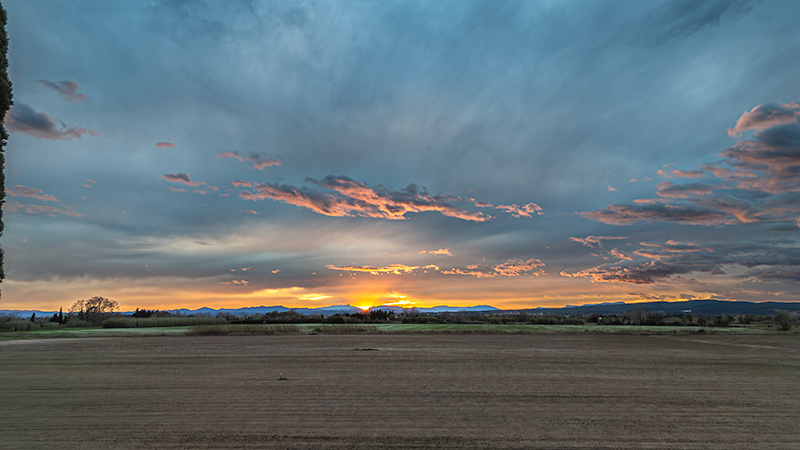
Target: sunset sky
172 154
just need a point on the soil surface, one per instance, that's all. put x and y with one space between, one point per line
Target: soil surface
466 391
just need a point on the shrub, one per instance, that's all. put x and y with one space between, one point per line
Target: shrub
344 329
77 323
224 330
784 320
147 322
573 321
18 325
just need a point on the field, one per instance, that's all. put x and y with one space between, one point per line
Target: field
376 391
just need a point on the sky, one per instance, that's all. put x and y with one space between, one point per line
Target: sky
178 154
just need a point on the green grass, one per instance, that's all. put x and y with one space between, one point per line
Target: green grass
150 322
387 328
553 329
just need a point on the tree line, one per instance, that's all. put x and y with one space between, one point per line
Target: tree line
101 311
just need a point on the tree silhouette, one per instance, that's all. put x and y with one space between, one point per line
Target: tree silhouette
5 104
94 308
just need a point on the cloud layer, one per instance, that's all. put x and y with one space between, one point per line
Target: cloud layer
22 118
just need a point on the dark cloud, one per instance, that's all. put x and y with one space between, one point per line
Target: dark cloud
768 163
22 118
644 273
631 214
182 178
356 199
671 190
661 262
261 163
760 177
766 115
68 89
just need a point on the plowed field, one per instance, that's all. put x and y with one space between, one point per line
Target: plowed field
439 391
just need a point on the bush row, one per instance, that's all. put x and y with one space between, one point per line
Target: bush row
148 322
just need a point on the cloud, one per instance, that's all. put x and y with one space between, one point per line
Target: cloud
22 118
670 249
166 144
688 173
441 251
619 255
510 268
248 211
668 261
260 163
591 241
256 160
395 269
351 198
40 209
68 89
24 191
768 163
670 190
761 177
645 273
631 214
528 210
765 116
235 282
183 178
231 155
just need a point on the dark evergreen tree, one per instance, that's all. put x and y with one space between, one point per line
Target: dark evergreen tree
5 104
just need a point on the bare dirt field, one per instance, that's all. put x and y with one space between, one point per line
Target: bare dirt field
439 391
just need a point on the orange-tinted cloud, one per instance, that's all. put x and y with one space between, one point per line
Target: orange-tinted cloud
510 268
39 209
395 269
24 191
764 116
441 251
355 199
591 241
528 210
166 144
22 118
256 160
231 155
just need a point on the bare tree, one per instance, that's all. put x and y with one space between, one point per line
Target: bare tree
94 309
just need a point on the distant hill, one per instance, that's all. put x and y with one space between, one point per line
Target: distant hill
697 307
